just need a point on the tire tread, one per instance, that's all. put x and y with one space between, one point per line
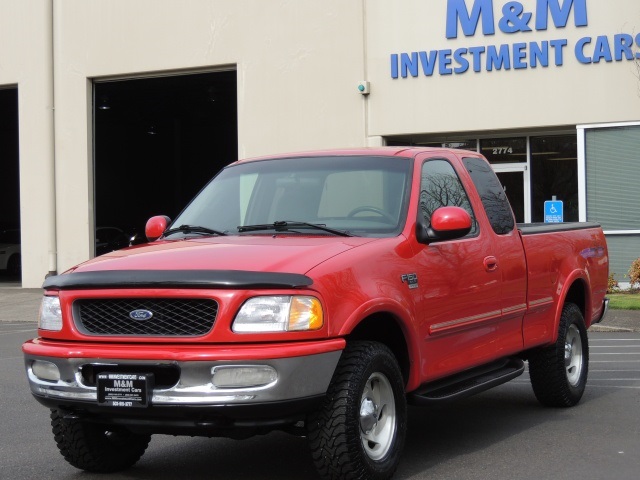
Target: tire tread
84 445
546 365
333 432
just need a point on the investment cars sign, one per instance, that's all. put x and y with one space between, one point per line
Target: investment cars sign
513 18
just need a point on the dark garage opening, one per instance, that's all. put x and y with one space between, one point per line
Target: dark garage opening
157 142
10 256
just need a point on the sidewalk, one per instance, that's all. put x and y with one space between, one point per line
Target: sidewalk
21 305
619 321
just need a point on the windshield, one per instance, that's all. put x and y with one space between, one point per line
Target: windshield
357 195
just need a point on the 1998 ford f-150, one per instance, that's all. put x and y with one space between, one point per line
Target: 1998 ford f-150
316 293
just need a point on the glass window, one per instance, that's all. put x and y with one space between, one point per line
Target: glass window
613 176
513 186
504 150
492 195
554 172
459 144
464 144
363 195
441 187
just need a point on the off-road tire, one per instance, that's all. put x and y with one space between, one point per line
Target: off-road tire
559 372
94 447
367 376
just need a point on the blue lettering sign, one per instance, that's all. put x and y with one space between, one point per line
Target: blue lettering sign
579 50
459 56
560 14
514 18
539 53
457 12
519 55
428 62
498 59
409 65
622 45
557 46
445 62
477 57
602 50
394 65
468 14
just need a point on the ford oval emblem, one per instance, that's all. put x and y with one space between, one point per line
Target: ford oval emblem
141 314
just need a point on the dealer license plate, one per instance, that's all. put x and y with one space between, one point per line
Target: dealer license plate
128 390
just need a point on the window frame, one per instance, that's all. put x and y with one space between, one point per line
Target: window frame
475 230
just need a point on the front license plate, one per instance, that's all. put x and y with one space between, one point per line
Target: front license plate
128 390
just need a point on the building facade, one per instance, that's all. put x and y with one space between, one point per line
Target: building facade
548 90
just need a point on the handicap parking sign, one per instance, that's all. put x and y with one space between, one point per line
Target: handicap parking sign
553 211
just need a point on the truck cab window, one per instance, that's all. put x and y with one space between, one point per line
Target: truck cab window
441 187
492 195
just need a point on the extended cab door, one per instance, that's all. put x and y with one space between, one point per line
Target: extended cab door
509 250
461 314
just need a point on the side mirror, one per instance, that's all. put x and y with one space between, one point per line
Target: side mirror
156 226
447 223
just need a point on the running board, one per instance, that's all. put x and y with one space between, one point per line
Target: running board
468 383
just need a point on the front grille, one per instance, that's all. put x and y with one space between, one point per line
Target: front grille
173 317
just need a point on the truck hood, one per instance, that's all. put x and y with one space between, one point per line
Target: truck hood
284 254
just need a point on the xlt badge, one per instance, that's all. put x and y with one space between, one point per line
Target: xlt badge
411 279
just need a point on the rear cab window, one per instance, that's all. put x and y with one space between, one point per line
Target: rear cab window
492 195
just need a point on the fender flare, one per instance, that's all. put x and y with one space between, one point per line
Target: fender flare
574 277
404 320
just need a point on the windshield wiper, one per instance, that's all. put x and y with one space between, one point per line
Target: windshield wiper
286 225
193 229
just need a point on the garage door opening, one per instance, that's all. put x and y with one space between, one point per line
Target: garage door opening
10 257
157 142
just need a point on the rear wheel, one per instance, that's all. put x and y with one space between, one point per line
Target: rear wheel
359 432
94 447
559 372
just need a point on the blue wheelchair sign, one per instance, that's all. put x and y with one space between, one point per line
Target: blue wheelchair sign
553 211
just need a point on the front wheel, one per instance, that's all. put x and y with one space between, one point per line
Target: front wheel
359 431
559 372
94 447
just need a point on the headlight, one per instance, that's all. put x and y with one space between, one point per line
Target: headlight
50 317
280 313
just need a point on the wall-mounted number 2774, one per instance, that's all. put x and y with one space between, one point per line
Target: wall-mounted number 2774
502 150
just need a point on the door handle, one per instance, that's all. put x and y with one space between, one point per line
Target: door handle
490 264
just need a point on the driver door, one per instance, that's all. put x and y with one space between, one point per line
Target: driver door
459 310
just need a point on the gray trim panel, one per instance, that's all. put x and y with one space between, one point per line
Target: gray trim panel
533 228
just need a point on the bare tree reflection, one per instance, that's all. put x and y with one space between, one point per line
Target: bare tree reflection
442 190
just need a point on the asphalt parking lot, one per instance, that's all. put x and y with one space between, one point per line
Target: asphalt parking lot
500 434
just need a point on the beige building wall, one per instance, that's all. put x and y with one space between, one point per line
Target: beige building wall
298 64
570 94
25 62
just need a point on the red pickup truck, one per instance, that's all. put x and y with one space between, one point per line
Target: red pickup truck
316 293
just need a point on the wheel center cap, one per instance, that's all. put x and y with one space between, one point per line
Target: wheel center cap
368 415
568 349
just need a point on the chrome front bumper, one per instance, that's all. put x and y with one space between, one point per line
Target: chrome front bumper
297 377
